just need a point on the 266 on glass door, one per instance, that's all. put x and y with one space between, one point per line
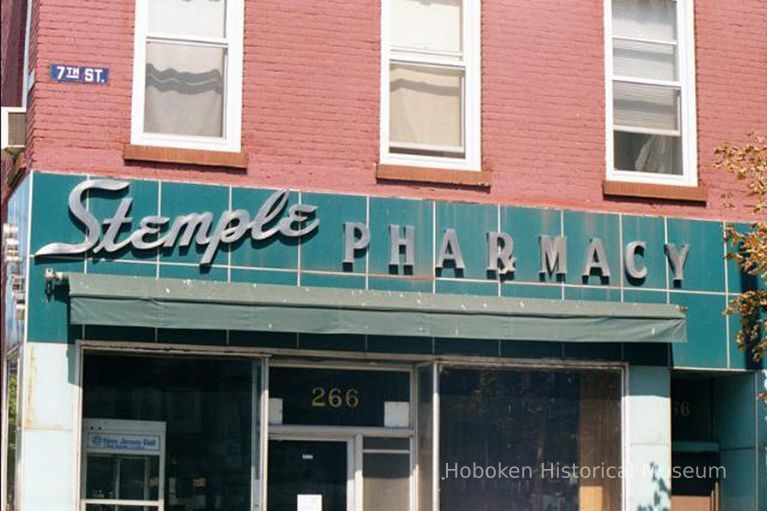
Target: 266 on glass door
339 397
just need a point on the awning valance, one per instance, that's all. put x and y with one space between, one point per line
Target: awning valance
193 304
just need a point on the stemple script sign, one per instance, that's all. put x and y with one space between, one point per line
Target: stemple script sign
101 237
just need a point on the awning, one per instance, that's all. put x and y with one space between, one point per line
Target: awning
194 304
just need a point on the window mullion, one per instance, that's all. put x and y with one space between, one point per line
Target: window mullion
208 42
427 62
645 40
647 81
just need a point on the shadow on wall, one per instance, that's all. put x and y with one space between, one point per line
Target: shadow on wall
661 493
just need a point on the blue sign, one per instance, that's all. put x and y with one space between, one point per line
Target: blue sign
123 442
79 74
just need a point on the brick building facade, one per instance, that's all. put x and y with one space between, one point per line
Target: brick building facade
548 97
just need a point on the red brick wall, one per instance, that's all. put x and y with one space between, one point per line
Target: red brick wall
311 86
12 25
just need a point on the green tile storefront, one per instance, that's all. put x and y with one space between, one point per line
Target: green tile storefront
401 407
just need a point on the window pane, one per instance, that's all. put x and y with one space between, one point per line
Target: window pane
101 477
644 60
648 153
184 90
205 18
386 481
434 25
206 406
397 444
645 106
137 475
646 19
426 108
528 422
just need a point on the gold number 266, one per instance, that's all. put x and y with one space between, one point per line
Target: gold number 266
335 398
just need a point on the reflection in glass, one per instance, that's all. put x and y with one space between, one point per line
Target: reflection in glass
201 18
386 481
532 420
206 405
434 26
646 19
637 59
645 106
648 153
101 477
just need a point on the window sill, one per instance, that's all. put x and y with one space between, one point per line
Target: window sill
185 156
430 175
656 191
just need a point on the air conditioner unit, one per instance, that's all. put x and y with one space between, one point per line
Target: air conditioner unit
13 130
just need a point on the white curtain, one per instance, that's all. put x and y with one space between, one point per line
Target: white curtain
425 106
184 92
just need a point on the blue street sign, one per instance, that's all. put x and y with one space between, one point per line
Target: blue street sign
79 74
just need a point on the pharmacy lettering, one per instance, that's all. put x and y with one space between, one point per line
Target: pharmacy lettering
271 220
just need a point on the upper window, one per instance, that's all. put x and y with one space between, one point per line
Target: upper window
187 74
650 92
430 83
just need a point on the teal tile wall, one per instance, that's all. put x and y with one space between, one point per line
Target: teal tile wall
342 281
737 281
184 198
704 266
467 288
48 313
740 359
592 293
402 212
324 249
584 227
736 428
526 225
122 267
144 202
275 252
651 230
282 278
471 222
552 292
50 220
706 344
316 260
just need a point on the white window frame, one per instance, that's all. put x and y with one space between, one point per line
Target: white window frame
686 85
232 110
471 160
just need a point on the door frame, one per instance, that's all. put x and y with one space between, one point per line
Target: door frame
353 461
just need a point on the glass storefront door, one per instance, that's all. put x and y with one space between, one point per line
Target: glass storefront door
308 475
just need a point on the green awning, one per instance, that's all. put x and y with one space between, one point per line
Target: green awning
194 304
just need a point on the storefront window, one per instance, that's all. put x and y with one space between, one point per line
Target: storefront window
386 474
534 440
10 413
181 428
